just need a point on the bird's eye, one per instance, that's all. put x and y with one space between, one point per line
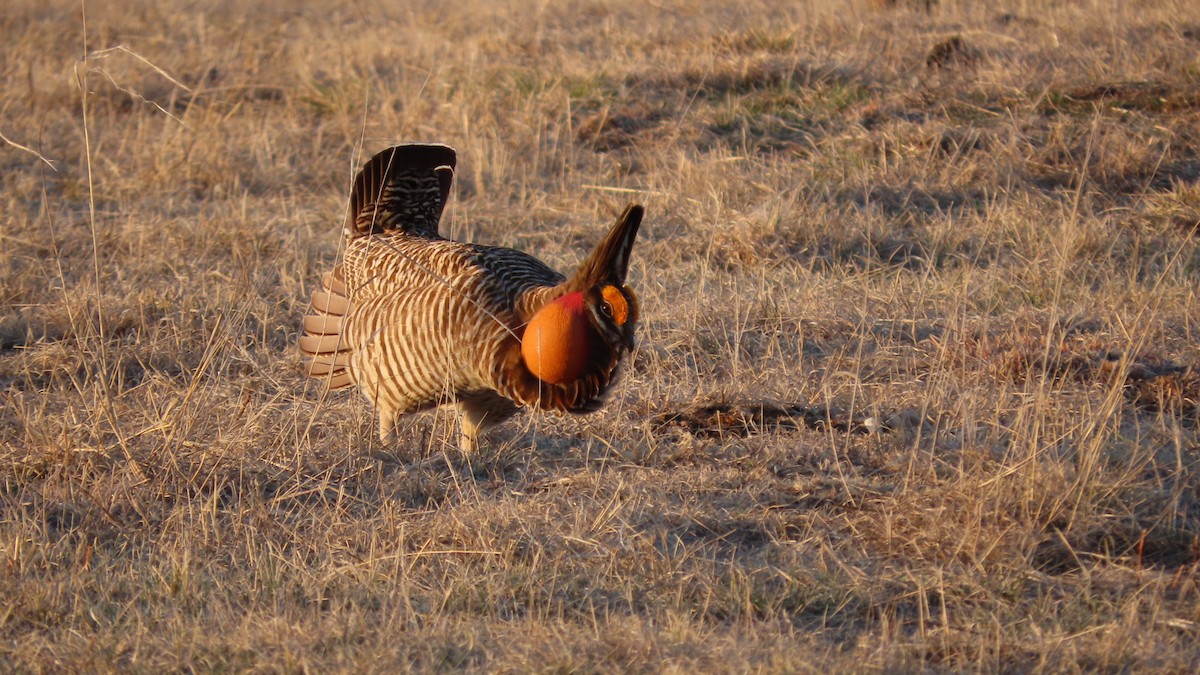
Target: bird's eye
606 309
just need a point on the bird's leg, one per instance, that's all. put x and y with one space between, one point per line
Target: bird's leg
478 413
387 424
473 419
468 440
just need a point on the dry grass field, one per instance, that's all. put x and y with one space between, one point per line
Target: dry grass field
918 381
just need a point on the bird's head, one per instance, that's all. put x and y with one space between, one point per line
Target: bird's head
571 332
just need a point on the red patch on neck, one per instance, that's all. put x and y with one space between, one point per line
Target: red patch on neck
572 302
557 341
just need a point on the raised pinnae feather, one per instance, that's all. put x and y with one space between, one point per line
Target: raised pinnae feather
402 188
609 261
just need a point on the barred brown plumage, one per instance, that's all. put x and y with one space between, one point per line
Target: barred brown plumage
417 321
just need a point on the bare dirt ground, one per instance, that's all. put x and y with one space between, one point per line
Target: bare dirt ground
918 383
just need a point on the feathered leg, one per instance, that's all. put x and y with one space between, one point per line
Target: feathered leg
478 413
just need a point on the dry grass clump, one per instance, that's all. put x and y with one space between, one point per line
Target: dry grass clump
917 386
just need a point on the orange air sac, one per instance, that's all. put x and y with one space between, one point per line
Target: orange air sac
557 340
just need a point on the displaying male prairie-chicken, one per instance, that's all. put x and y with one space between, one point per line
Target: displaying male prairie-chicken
415 320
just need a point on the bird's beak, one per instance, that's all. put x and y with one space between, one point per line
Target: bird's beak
627 339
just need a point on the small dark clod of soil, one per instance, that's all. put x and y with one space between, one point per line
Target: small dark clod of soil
953 51
754 418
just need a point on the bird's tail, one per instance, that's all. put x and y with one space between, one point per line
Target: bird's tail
609 262
326 356
402 188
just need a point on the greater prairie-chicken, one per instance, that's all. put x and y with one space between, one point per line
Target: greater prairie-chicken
415 320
